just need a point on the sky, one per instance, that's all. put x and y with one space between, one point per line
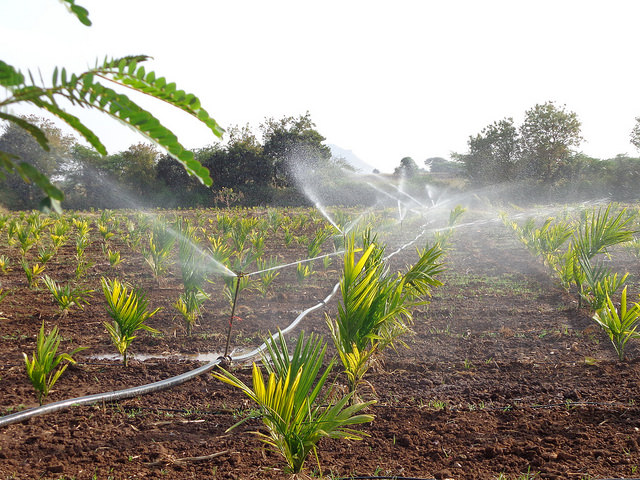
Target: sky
385 80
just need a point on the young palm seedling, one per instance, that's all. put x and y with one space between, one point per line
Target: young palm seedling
66 296
189 306
83 264
37 223
376 305
45 254
257 244
314 248
620 326
288 236
303 271
594 236
268 274
220 251
32 272
274 219
240 232
25 236
58 232
106 230
194 274
44 369
158 255
225 223
4 264
113 256
12 231
291 406
128 309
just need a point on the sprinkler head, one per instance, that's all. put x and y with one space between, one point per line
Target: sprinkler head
224 361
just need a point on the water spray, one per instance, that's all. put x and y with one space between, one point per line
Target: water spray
278 267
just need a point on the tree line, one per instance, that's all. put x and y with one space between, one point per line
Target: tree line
541 160
245 169
535 161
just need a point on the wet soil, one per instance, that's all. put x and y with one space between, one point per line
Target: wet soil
504 376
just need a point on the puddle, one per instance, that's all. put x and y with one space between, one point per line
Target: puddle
142 357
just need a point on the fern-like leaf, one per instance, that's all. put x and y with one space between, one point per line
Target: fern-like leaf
9 76
80 12
126 71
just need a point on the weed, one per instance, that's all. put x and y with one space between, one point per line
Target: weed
437 404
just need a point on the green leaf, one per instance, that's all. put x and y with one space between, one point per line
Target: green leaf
6 162
132 67
41 180
160 89
35 132
9 76
75 123
80 12
49 204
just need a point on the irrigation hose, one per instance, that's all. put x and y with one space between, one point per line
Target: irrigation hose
106 397
169 382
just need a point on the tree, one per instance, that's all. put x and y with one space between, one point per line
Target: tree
407 168
547 134
442 166
293 144
493 153
177 187
86 179
15 141
90 89
138 168
635 134
246 162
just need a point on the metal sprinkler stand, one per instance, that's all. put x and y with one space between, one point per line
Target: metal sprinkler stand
225 360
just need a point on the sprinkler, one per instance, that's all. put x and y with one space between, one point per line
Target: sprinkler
225 360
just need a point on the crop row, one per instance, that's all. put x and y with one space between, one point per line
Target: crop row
576 247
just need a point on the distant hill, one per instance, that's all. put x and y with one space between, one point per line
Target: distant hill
351 158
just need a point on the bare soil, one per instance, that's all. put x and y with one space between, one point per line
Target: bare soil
504 375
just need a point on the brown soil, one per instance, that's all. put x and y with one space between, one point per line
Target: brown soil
504 375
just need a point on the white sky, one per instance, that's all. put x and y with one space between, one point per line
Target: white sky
384 79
